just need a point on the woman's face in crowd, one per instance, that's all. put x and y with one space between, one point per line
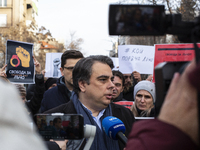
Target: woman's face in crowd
143 100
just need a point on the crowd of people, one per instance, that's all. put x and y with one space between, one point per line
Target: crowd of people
90 87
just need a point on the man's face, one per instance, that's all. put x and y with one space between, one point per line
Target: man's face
67 72
128 81
118 88
143 100
98 94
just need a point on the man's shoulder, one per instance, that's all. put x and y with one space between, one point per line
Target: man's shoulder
121 111
52 90
67 108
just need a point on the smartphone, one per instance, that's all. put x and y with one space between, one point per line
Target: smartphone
60 126
136 20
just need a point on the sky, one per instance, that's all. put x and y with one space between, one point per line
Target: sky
88 18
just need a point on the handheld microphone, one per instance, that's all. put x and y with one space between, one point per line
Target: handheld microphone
114 128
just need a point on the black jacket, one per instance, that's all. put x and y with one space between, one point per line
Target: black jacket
124 114
35 102
55 96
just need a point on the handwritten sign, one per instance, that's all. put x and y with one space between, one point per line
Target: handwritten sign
52 66
136 58
115 62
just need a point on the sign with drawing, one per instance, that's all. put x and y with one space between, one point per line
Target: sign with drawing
136 58
19 60
53 64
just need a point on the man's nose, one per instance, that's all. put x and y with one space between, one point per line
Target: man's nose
111 85
129 79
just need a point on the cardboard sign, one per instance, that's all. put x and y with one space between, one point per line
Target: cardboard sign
136 58
173 53
53 64
19 60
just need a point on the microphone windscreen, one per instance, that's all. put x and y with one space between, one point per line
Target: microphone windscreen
112 125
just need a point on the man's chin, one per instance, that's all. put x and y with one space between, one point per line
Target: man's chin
114 97
128 85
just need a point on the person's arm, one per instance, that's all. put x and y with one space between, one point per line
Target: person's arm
2 71
177 123
149 78
35 102
181 100
137 76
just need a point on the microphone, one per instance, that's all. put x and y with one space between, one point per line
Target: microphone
114 128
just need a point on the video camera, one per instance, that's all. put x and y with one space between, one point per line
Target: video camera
138 20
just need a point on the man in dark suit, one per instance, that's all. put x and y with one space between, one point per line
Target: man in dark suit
92 97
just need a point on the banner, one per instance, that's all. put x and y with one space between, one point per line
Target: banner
53 64
136 58
19 60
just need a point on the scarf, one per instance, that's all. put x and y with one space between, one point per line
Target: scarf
101 140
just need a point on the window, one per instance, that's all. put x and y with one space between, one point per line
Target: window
3 3
3 20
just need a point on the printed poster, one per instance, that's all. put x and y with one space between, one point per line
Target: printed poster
173 53
53 64
20 64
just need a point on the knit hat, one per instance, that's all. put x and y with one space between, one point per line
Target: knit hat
147 86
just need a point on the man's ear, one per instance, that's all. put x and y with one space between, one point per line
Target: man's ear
61 70
82 86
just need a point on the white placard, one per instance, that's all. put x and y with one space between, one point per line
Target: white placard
136 58
53 64
115 62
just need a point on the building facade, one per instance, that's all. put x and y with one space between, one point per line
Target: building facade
13 12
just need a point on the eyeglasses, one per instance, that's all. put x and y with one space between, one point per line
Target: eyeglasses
126 77
69 68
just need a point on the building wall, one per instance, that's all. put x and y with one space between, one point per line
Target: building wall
15 11
20 11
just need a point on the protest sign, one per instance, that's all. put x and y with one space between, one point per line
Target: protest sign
173 53
19 60
136 58
115 62
53 64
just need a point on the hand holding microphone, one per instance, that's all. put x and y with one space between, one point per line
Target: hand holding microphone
114 128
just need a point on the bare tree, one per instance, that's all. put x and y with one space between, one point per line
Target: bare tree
18 32
74 43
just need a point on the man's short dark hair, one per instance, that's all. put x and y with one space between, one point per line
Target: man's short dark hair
83 69
120 75
70 54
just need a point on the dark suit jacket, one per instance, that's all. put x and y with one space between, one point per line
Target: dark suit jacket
124 114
